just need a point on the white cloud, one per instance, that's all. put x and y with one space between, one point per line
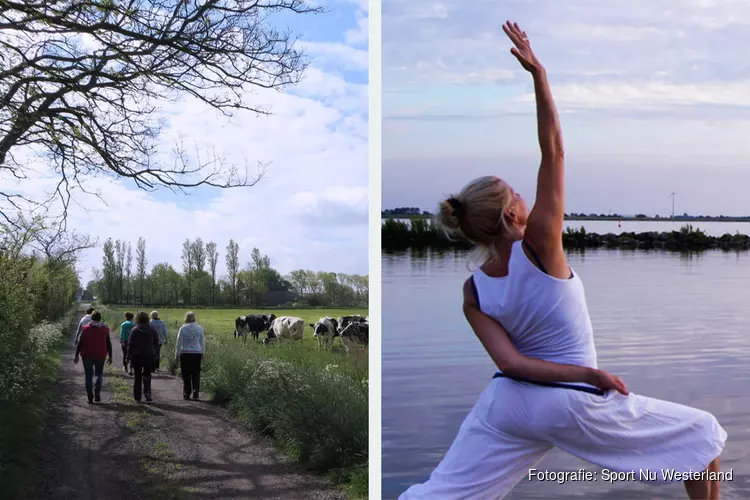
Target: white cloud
429 44
359 35
649 95
309 211
340 55
641 85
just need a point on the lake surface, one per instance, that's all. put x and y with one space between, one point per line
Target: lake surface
673 327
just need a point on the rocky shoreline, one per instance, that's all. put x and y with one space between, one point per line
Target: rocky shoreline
398 235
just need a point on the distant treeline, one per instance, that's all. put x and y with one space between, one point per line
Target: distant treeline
416 213
423 233
197 283
648 218
404 212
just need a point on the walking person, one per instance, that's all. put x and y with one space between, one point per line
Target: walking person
191 344
84 321
161 329
143 344
528 308
125 328
93 348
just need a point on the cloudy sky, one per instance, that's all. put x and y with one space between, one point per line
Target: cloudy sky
310 209
652 95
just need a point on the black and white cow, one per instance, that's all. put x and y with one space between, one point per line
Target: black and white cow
357 333
285 327
253 323
325 329
270 318
345 321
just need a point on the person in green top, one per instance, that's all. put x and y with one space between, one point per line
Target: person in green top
125 328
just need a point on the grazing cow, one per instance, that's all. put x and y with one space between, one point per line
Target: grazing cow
345 321
324 330
285 327
253 323
269 318
357 333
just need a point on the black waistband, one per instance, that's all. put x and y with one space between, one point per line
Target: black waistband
590 390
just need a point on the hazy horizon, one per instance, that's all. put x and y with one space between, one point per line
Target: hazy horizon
650 98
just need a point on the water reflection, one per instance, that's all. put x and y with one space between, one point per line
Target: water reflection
674 326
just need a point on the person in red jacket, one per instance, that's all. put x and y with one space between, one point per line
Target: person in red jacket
94 347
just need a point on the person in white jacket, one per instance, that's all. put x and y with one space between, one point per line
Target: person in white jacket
84 321
161 329
191 345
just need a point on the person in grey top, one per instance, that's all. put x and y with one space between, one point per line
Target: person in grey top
84 321
189 349
161 329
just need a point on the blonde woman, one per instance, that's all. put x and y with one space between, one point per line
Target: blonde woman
191 344
528 308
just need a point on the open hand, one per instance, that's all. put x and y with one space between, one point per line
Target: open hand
607 381
522 49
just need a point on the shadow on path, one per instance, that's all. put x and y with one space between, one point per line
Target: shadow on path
186 449
81 453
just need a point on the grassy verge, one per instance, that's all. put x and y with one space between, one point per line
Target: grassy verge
157 462
312 403
22 417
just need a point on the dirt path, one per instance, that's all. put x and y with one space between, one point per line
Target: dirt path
170 449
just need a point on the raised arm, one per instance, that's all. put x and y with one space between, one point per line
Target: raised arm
545 223
496 341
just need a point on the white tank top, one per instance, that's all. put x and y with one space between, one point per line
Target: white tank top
546 317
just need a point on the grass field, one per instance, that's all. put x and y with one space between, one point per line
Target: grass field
220 322
275 389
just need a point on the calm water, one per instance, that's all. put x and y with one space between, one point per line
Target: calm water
673 327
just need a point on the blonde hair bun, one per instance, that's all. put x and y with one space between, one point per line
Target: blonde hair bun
447 216
477 214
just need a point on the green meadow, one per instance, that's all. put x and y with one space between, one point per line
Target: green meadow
220 322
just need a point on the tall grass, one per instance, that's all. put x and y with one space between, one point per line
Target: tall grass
315 406
27 383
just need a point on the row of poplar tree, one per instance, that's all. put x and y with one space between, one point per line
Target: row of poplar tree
125 278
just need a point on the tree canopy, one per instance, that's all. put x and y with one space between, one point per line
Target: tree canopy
82 82
258 284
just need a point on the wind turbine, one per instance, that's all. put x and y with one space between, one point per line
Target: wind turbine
672 196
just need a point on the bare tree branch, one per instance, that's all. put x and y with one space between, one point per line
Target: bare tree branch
43 235
81 83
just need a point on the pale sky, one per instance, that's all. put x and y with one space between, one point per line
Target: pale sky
310 210
652 96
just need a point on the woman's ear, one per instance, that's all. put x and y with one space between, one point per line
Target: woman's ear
511 216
